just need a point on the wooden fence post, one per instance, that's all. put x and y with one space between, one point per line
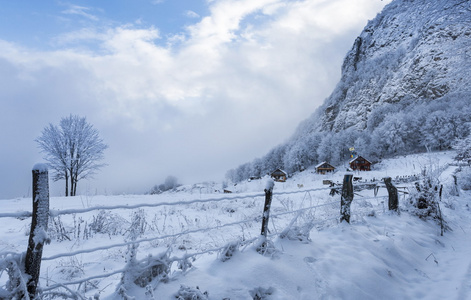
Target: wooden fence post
456 190
263 245
346 198
38 233
392 192
266 207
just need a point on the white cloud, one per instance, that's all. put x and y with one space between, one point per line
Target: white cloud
192 14
80 11
225 90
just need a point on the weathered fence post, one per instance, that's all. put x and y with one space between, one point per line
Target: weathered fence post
392 192
38 233
263 245
456 190
346 198
266 207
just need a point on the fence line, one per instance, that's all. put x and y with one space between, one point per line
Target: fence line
187 256
59 285
173 259
55 213
20 214
255 219
346 197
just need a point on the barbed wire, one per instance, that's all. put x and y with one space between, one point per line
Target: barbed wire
55 213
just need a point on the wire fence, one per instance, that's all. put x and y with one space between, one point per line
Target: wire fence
280 213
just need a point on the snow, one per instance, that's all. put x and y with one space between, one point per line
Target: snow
269 184
40 167
379 255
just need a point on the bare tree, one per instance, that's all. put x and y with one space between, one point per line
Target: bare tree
73 150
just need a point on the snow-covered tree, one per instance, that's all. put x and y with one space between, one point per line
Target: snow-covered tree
171 182
437 131
463 150
324 151
73 150
391 134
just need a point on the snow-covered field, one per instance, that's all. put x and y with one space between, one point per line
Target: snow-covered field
379 255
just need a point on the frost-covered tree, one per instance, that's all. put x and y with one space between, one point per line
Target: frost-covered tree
325 148
390 134
437 131
463 150
171 182
73 150
362 144
257 168
295 159
392 129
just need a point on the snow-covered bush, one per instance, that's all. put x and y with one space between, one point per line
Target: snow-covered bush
464 179
138 224
151 268
56 229
15 286
188 293
185 263
71 268
228 251
261 293
425 199
145 271
265 247
107 223
298 233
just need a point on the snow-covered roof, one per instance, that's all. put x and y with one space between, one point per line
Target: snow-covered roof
279 171
352 160
322 163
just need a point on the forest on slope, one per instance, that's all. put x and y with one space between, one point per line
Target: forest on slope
405 88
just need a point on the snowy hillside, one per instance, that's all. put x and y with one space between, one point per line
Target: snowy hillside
413 51
380 255
405 88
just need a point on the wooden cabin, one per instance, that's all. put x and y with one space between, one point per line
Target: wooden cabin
360 164
279 175
324 167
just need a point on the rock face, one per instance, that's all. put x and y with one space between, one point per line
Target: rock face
405 88
414 50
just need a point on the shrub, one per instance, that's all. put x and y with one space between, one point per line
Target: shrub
228 251
188 293
464 179
297 233
261 293
15 286
106 222
425 199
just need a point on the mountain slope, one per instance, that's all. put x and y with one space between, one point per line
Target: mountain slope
405 88
413 50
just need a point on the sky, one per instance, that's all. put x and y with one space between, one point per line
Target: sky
186 88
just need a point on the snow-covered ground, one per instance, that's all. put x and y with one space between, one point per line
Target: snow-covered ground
379 255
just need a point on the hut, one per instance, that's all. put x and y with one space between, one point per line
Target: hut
360 163
324 167
279 175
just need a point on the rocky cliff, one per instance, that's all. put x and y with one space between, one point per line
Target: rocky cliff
405 87
414 50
